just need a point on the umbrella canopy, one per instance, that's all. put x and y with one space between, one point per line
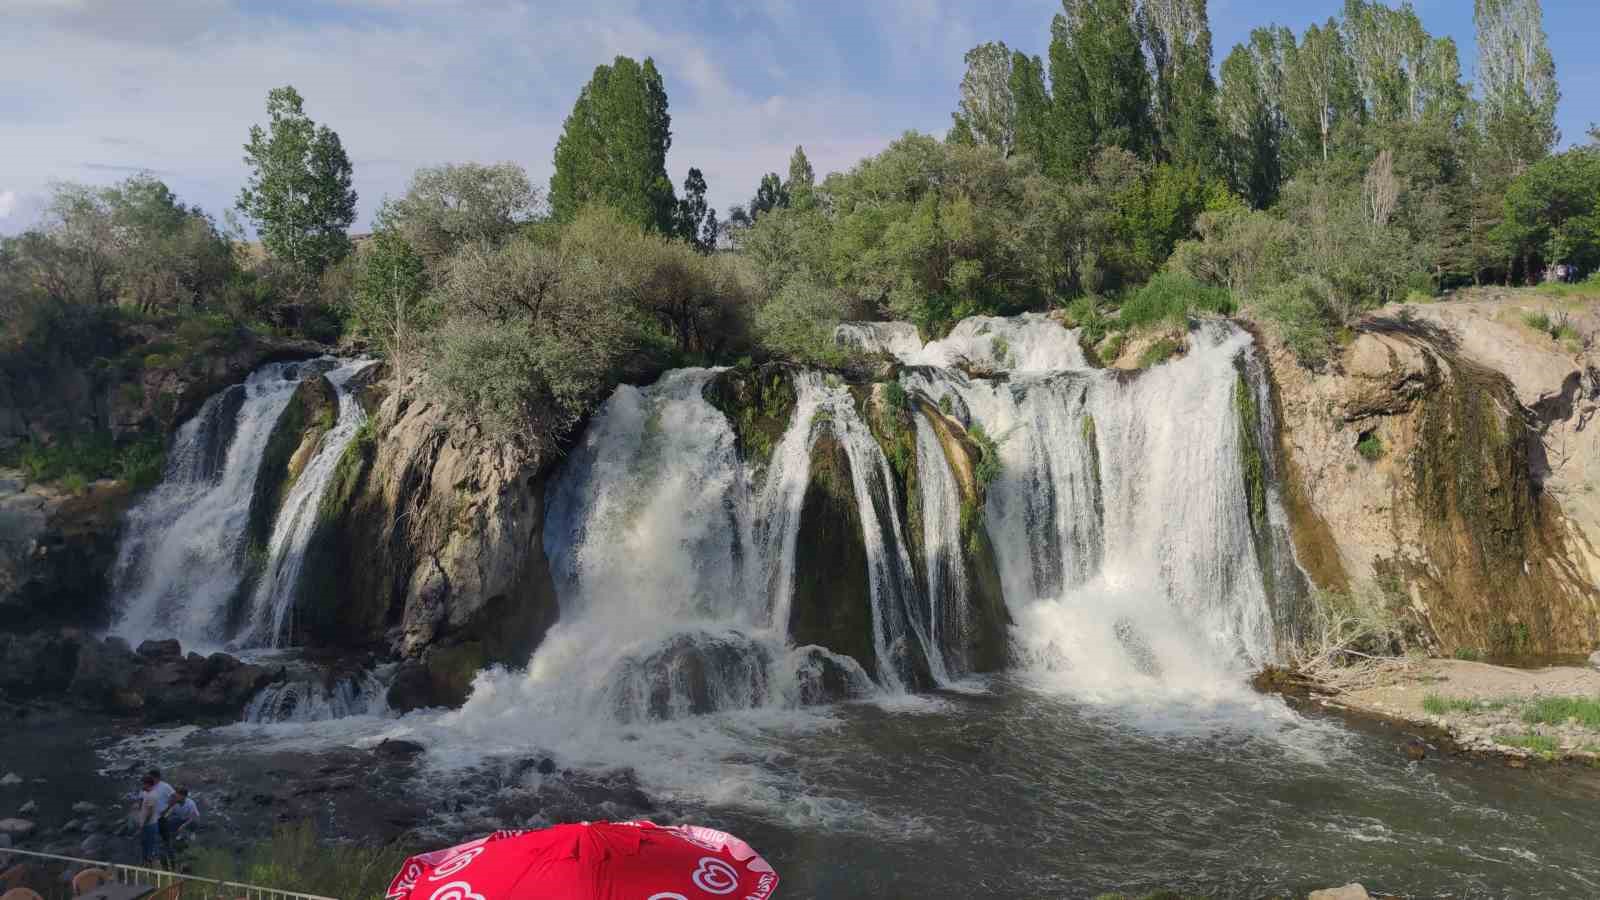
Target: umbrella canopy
591 861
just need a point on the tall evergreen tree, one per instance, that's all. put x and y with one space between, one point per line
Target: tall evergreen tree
299 196
987 111
697 222
802 183
1100 86
1177 39
613 148
770 195
1034 131
1250 106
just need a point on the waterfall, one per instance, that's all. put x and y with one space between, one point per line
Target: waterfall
272 605
314 699
179 565
944 570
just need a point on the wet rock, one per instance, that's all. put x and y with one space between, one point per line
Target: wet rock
83 807
398 749
168 649
28 808
824 677
547 766
72 825
93 845
693 674
1353 891
1416 750
56 549
36 663
16 828
10 778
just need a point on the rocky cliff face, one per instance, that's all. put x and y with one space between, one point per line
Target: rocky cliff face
431 544
1441 462
56 551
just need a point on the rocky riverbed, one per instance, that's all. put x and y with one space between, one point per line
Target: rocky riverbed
1550 713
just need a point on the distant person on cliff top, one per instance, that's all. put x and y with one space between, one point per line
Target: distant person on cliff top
177 823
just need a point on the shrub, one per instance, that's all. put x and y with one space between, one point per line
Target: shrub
1557 710
1470 654
1370 446
1170 298
1302 316
1538 321
296 858
798 322
897 397
988 467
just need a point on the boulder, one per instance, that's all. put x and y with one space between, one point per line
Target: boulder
168 649
16 828
56 550
28 808
84 807
10 778
1594 659
1351 891
823 677
104 669
72 826
393 748
36 663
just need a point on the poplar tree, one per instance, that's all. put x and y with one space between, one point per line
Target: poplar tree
1320 93
299 196
1517 77
1100 86
1177 39
613 148
1033 132
1250 107
802 183
987 111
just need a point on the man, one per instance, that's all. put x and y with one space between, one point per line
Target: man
164 791
177 822
145 820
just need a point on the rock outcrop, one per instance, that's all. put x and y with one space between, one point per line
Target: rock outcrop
832 604
56 551
430 544
1418 467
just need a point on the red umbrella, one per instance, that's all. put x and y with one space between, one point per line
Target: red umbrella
591 861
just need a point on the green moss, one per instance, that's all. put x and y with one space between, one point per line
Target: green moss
1159 352
758 405
1251 463
988 465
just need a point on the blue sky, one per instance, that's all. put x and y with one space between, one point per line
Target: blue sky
93 90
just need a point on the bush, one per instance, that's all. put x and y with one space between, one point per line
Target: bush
988 467
1170 298
1301 315
1370 446
296 858
1157 353
76 461
798 324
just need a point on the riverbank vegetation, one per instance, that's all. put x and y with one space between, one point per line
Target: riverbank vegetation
297 858
1315 177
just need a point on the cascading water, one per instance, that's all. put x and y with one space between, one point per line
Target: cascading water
314 699
272 606
179 566
945 571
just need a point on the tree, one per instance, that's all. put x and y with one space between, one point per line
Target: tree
1177 39
697 223
1319 91
1034 131
1517 77
1100 86
1250 108
770 194
1552 212
448 206
802 183
986 113
299 196
613 148
390 303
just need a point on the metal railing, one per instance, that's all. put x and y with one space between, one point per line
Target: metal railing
193 886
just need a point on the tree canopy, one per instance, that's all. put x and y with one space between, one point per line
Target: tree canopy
299 195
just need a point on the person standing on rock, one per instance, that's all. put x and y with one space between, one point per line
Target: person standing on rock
176 823
145 821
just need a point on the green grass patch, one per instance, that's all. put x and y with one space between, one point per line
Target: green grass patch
1538 321
1439 705
1170 298
1564 290
1557 710
1470 654
76 461
1543 745
1159 352
988 467
296 858
1370 447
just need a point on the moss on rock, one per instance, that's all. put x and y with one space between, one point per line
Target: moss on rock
758 403
832 604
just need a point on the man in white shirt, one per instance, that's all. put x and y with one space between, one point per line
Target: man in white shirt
145 819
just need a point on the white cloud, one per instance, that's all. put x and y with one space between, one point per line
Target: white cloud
8 202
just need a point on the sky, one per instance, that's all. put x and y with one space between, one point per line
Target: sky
96 90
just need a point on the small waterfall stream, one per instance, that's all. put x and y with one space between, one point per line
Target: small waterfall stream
273 603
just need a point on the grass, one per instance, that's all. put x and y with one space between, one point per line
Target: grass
1170 298
1538 743
1438 705
1559 328
988 467
1557 710
1370 447
75 462
1157 353
296 858
1470 654
1587 288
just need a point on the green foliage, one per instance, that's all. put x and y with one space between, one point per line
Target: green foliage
1438 705
945 405
447 207
390 305
1543 745
296 858
1099 81
299 196
613 148
1470 654
75 461
988 467
1552 211
1170 298
1159 351
798 322
1557 710
1302 316
897 397
1370 446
